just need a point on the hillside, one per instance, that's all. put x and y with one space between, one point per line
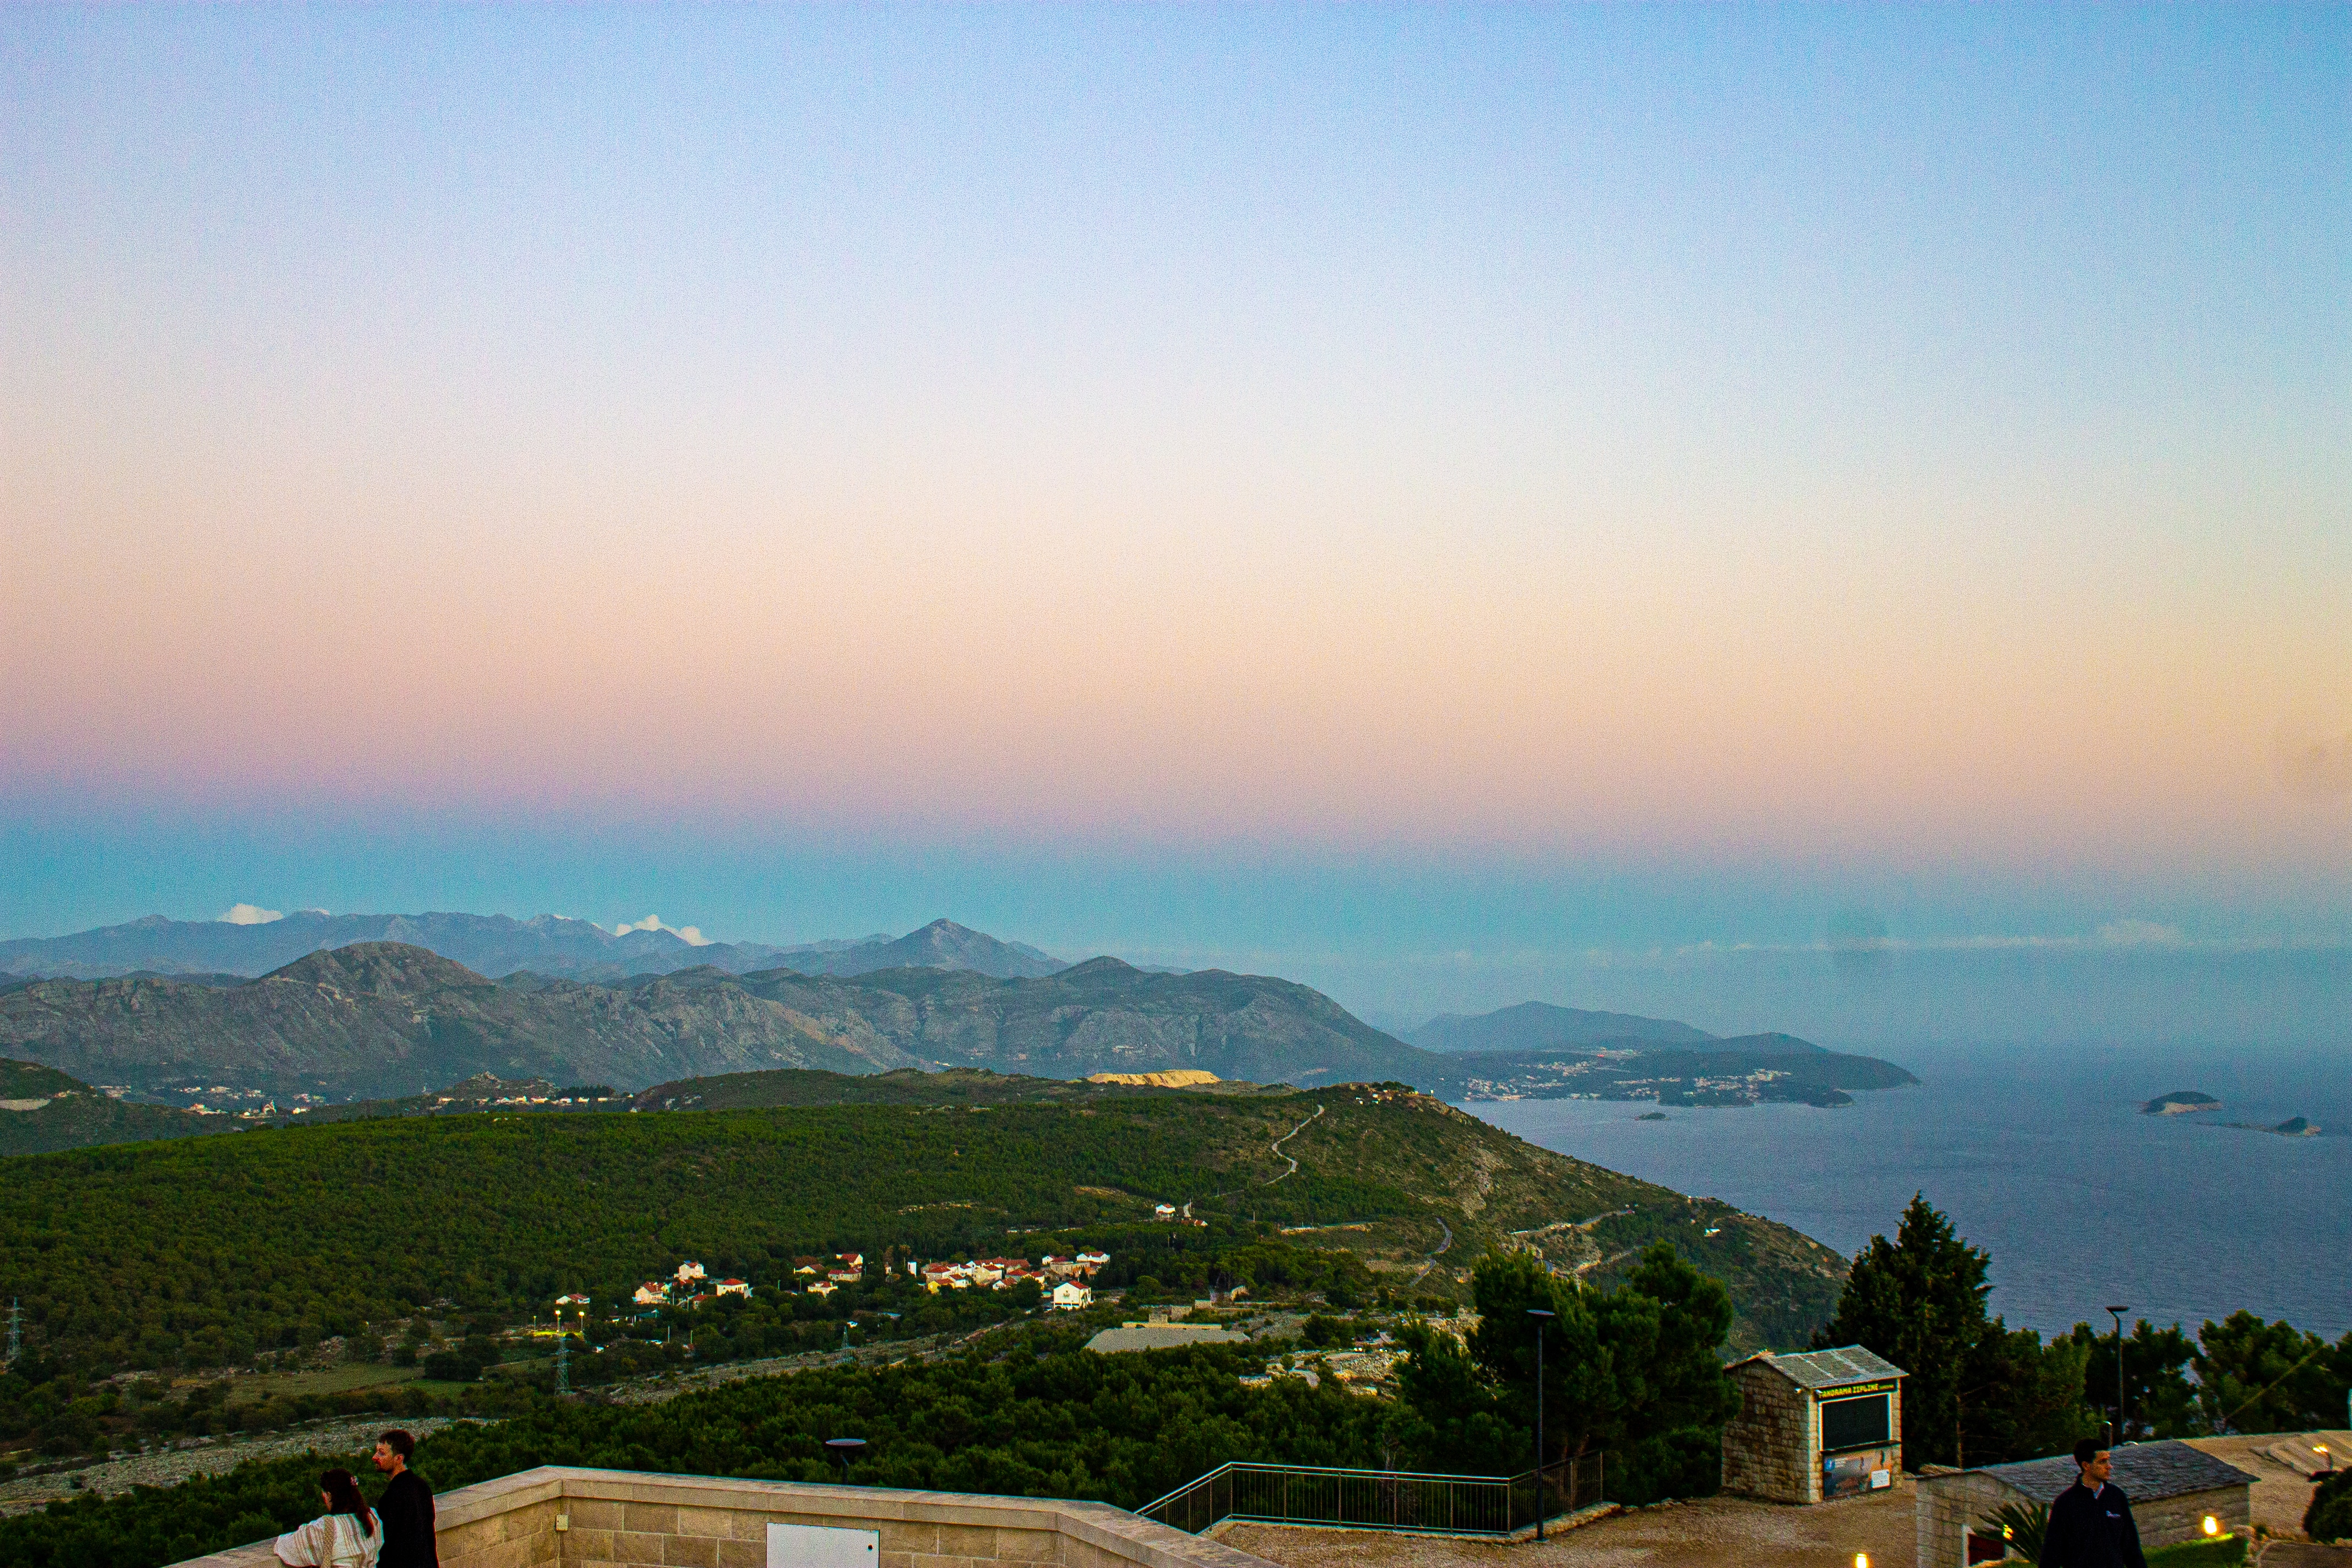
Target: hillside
1540 1025
42 1110
163 1238
494 945
1749 1071
1102 1016
787 1086
385 1018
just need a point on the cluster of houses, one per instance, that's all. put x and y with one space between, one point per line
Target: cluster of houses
1066 1279
690 1288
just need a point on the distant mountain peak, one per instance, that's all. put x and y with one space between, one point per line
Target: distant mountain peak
394 968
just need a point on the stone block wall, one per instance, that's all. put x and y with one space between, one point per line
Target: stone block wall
2168 1521
1768 1447
1944 1508
564 1518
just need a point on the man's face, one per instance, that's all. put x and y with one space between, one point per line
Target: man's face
386 1459
2096 1472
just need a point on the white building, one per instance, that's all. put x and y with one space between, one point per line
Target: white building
1069 1298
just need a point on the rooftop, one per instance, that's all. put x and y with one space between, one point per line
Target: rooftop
1830 1368
2145 1470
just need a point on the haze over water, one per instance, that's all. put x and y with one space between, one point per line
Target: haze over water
2042 1158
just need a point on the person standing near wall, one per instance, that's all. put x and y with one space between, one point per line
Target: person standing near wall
2090 1524
405 1507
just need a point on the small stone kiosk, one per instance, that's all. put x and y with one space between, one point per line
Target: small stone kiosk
1814 1425
2174 1490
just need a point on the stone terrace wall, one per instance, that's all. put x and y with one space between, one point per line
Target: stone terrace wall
621 1518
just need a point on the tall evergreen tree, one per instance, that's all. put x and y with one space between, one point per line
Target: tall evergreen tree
1978 1392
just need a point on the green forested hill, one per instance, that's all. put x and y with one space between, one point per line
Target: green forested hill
42 1110
204 1252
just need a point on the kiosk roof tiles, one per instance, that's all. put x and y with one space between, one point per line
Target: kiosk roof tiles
1832 1369
2145 1470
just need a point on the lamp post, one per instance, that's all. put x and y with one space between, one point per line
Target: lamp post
1543 1320
2119 1312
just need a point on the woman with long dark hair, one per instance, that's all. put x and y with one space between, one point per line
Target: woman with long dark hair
345 1536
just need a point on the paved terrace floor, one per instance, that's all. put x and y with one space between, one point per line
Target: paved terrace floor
1715 1532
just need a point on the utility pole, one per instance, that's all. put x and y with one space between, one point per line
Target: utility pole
1543 1320
562 1362
2119 1312
15 1331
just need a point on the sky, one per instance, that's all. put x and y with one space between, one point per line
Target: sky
1630 506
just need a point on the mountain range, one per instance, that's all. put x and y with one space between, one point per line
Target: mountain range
386 1019
376 1018
494 945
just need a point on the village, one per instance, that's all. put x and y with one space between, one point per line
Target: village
1063 1282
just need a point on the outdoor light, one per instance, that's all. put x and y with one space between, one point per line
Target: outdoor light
1862 1560
2213 1525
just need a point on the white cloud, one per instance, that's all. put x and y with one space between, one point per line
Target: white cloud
2140 933
692 935
251 915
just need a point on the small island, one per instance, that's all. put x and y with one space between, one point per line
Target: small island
1650 1116
2180 1102
2298 1127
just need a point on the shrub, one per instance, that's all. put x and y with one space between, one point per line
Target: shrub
2329 1517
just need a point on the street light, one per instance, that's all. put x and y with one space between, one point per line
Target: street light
2119 1312
1543 1320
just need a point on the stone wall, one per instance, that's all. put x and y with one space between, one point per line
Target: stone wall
1768 1447
619 1519
1948 1505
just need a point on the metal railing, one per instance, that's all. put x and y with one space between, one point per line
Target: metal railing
1401 1501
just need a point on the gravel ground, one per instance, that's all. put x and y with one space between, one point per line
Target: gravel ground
172 1465
1707 1533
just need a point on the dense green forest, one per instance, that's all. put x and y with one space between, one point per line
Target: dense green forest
209 1252
204 1252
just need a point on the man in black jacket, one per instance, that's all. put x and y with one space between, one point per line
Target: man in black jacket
405 1507
2090 1524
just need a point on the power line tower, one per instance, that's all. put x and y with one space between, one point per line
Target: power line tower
563 1363
15 1331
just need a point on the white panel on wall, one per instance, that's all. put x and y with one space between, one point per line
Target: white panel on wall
815 1546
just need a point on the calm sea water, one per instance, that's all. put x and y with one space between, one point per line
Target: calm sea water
2042 1158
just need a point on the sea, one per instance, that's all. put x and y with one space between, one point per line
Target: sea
2042 1157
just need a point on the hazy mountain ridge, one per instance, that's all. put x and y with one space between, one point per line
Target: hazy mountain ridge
493 945
385 1019
1540 1025
389 1018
